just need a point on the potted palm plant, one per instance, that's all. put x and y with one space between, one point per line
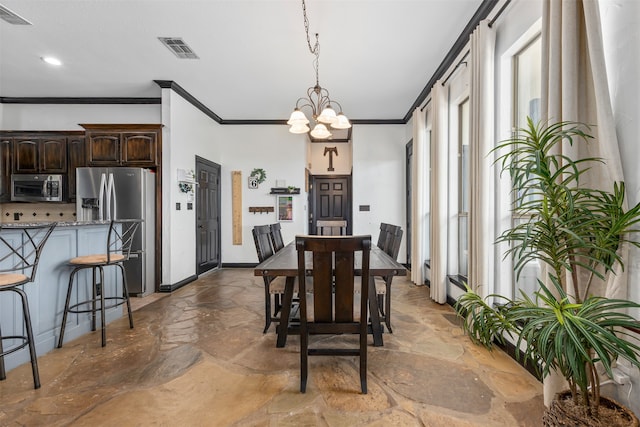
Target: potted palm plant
575 233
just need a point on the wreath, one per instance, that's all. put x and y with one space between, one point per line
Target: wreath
259 174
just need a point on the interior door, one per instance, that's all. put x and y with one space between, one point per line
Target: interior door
207 215
330 199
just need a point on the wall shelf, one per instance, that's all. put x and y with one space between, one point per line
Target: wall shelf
261 209
285 190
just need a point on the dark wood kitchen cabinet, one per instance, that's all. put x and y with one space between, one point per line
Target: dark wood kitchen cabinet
122 145
5 168
76 159
40 154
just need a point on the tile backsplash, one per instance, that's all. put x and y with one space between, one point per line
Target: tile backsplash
37 212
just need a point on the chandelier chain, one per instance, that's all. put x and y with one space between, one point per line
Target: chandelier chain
315 50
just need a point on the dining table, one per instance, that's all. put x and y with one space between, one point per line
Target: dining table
284 263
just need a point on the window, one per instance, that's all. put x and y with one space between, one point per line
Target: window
463 188
526 92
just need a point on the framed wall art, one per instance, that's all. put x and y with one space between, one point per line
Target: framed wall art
284 208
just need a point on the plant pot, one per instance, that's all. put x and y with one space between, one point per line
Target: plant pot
564 412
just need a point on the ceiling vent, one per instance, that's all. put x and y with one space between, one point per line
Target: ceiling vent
11 17
178 47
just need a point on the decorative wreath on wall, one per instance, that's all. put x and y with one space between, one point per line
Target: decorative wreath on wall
259 174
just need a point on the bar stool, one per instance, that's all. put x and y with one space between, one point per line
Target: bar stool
19 256
119 242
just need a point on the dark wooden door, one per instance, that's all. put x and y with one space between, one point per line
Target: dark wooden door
207 215
330 199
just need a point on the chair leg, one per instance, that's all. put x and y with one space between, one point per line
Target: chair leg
125 295
3 372
387 305
103 320
94 295
304 352
30 341
267 308
66 307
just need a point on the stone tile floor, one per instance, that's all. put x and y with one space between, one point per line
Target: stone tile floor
197 357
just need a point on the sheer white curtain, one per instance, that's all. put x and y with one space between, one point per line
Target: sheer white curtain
439 191
419 196
481 194
574 87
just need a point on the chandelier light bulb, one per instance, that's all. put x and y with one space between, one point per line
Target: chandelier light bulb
320 131
299 128
342 122
328 115
297 118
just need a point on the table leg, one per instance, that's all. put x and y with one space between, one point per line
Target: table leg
374 314
287 299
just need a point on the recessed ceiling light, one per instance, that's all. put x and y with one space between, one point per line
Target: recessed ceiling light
51 60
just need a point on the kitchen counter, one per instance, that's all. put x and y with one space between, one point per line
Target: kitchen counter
20 224
48 292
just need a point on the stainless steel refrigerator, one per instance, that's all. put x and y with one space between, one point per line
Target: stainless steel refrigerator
123 193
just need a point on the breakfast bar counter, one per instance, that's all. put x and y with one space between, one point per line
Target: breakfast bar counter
48 292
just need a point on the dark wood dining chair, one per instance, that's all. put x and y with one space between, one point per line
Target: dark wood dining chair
334 286
383 284
20 250
383 236
331 227
273 286
276 236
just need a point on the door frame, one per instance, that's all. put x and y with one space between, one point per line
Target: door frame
312 197
209 163
409 206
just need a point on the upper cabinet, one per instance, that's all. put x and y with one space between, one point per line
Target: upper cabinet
77 157
123 145
5 169
40 154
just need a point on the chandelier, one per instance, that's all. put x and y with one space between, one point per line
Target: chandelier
317 100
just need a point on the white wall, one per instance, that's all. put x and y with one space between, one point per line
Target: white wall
379 179
68 116
282 155
318 162
187 132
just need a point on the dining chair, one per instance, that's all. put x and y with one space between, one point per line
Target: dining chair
20 250
335 308
383 284
331 227
383 236
120 238
276 236
272 285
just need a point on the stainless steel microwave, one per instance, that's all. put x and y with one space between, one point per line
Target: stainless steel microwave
36 188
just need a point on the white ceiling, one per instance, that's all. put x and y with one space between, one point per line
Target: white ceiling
376 55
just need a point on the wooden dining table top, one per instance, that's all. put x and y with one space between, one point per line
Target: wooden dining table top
285 263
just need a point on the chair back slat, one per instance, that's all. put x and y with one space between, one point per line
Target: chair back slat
383 236
23 253
334 276
331 227
276 236
120 238
262 240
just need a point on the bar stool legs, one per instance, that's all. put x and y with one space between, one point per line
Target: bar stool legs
98 301
28 340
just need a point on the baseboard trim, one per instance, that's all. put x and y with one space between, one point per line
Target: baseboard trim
239 265
171 288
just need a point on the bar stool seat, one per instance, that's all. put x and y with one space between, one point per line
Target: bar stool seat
119 242
18 256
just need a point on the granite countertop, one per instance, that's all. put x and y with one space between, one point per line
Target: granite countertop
59 223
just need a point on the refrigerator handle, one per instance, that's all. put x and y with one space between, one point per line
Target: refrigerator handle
114 196
101 196
110 197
